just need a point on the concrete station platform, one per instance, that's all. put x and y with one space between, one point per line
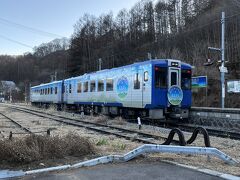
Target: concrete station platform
126 171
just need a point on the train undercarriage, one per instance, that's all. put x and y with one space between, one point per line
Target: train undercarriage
173 113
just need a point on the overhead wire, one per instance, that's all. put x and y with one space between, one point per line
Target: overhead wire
31 29
50 34
28 28
14 41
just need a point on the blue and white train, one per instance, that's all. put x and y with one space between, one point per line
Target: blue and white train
156 89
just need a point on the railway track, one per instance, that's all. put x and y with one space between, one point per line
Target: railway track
23 129
190 127
17 123
101 128
212 131
126 133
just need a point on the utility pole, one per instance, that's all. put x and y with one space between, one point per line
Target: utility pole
55 76
223 59
52 77
29 93
149 55
10 95
100 64
222 68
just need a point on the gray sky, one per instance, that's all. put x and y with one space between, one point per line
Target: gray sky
52 16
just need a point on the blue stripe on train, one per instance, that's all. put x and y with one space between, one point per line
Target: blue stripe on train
100 104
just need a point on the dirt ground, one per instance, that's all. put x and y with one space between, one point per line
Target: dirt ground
107 145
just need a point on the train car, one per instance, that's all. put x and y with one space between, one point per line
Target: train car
156 89
50 93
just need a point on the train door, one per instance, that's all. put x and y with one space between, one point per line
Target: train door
62 92
145 88
175 93
137 89
174 79
174 72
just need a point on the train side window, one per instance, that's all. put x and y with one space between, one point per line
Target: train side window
55 90
146 76
160 77
79 87
45 91
100 85
51 90
136 81
70 88
85 86
92 86
109 85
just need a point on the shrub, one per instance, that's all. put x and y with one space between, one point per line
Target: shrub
36 147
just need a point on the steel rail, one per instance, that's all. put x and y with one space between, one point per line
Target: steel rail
98 127
18 124
190 127
212 131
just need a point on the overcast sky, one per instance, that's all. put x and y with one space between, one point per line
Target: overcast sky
52 16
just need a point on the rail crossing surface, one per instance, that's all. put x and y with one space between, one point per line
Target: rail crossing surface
130 170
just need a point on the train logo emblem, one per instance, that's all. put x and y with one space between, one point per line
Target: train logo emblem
122 87
175 95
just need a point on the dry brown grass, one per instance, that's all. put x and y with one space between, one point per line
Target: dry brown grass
118 121
35 147
101 119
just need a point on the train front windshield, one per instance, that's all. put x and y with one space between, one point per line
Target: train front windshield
186 79
160 77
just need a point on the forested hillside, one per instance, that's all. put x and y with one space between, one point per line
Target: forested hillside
179 29
38 67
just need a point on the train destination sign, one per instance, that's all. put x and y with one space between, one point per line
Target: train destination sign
233 86
199 82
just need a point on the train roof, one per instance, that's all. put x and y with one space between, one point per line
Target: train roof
46 84
152 61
